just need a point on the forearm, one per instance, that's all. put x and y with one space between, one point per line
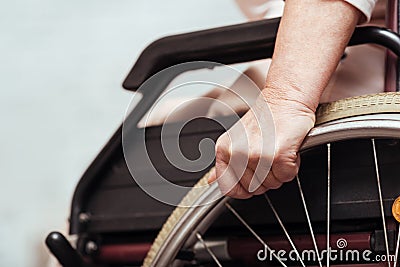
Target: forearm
311 40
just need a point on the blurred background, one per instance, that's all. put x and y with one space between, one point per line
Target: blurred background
62 65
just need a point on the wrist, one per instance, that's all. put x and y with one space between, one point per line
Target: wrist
291 99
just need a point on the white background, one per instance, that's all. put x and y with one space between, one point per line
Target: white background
61 68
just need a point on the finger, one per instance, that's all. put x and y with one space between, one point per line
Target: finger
260 165
258 179
226 177
247 180
286 166
261 190
228 182
271 182
239 192
212 176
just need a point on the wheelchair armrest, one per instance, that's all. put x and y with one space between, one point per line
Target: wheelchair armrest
229 45
226 45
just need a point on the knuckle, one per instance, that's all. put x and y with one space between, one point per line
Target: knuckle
287 175
286 158
254 157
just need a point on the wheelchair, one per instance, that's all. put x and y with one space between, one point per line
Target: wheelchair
342 197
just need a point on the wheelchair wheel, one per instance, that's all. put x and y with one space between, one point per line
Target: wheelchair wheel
351 138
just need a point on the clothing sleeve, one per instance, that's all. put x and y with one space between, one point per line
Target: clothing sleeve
365 6
261 9
265 9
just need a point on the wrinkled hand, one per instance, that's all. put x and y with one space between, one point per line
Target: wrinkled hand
244 153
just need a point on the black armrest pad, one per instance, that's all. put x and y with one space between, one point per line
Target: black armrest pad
228 45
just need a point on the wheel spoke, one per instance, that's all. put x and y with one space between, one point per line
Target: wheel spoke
378 180
328 208
397 247
200 238
283 228
308 220
234 212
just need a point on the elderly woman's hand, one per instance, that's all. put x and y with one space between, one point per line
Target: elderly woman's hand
247 150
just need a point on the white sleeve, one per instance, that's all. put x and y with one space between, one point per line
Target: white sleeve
261 9
365 6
